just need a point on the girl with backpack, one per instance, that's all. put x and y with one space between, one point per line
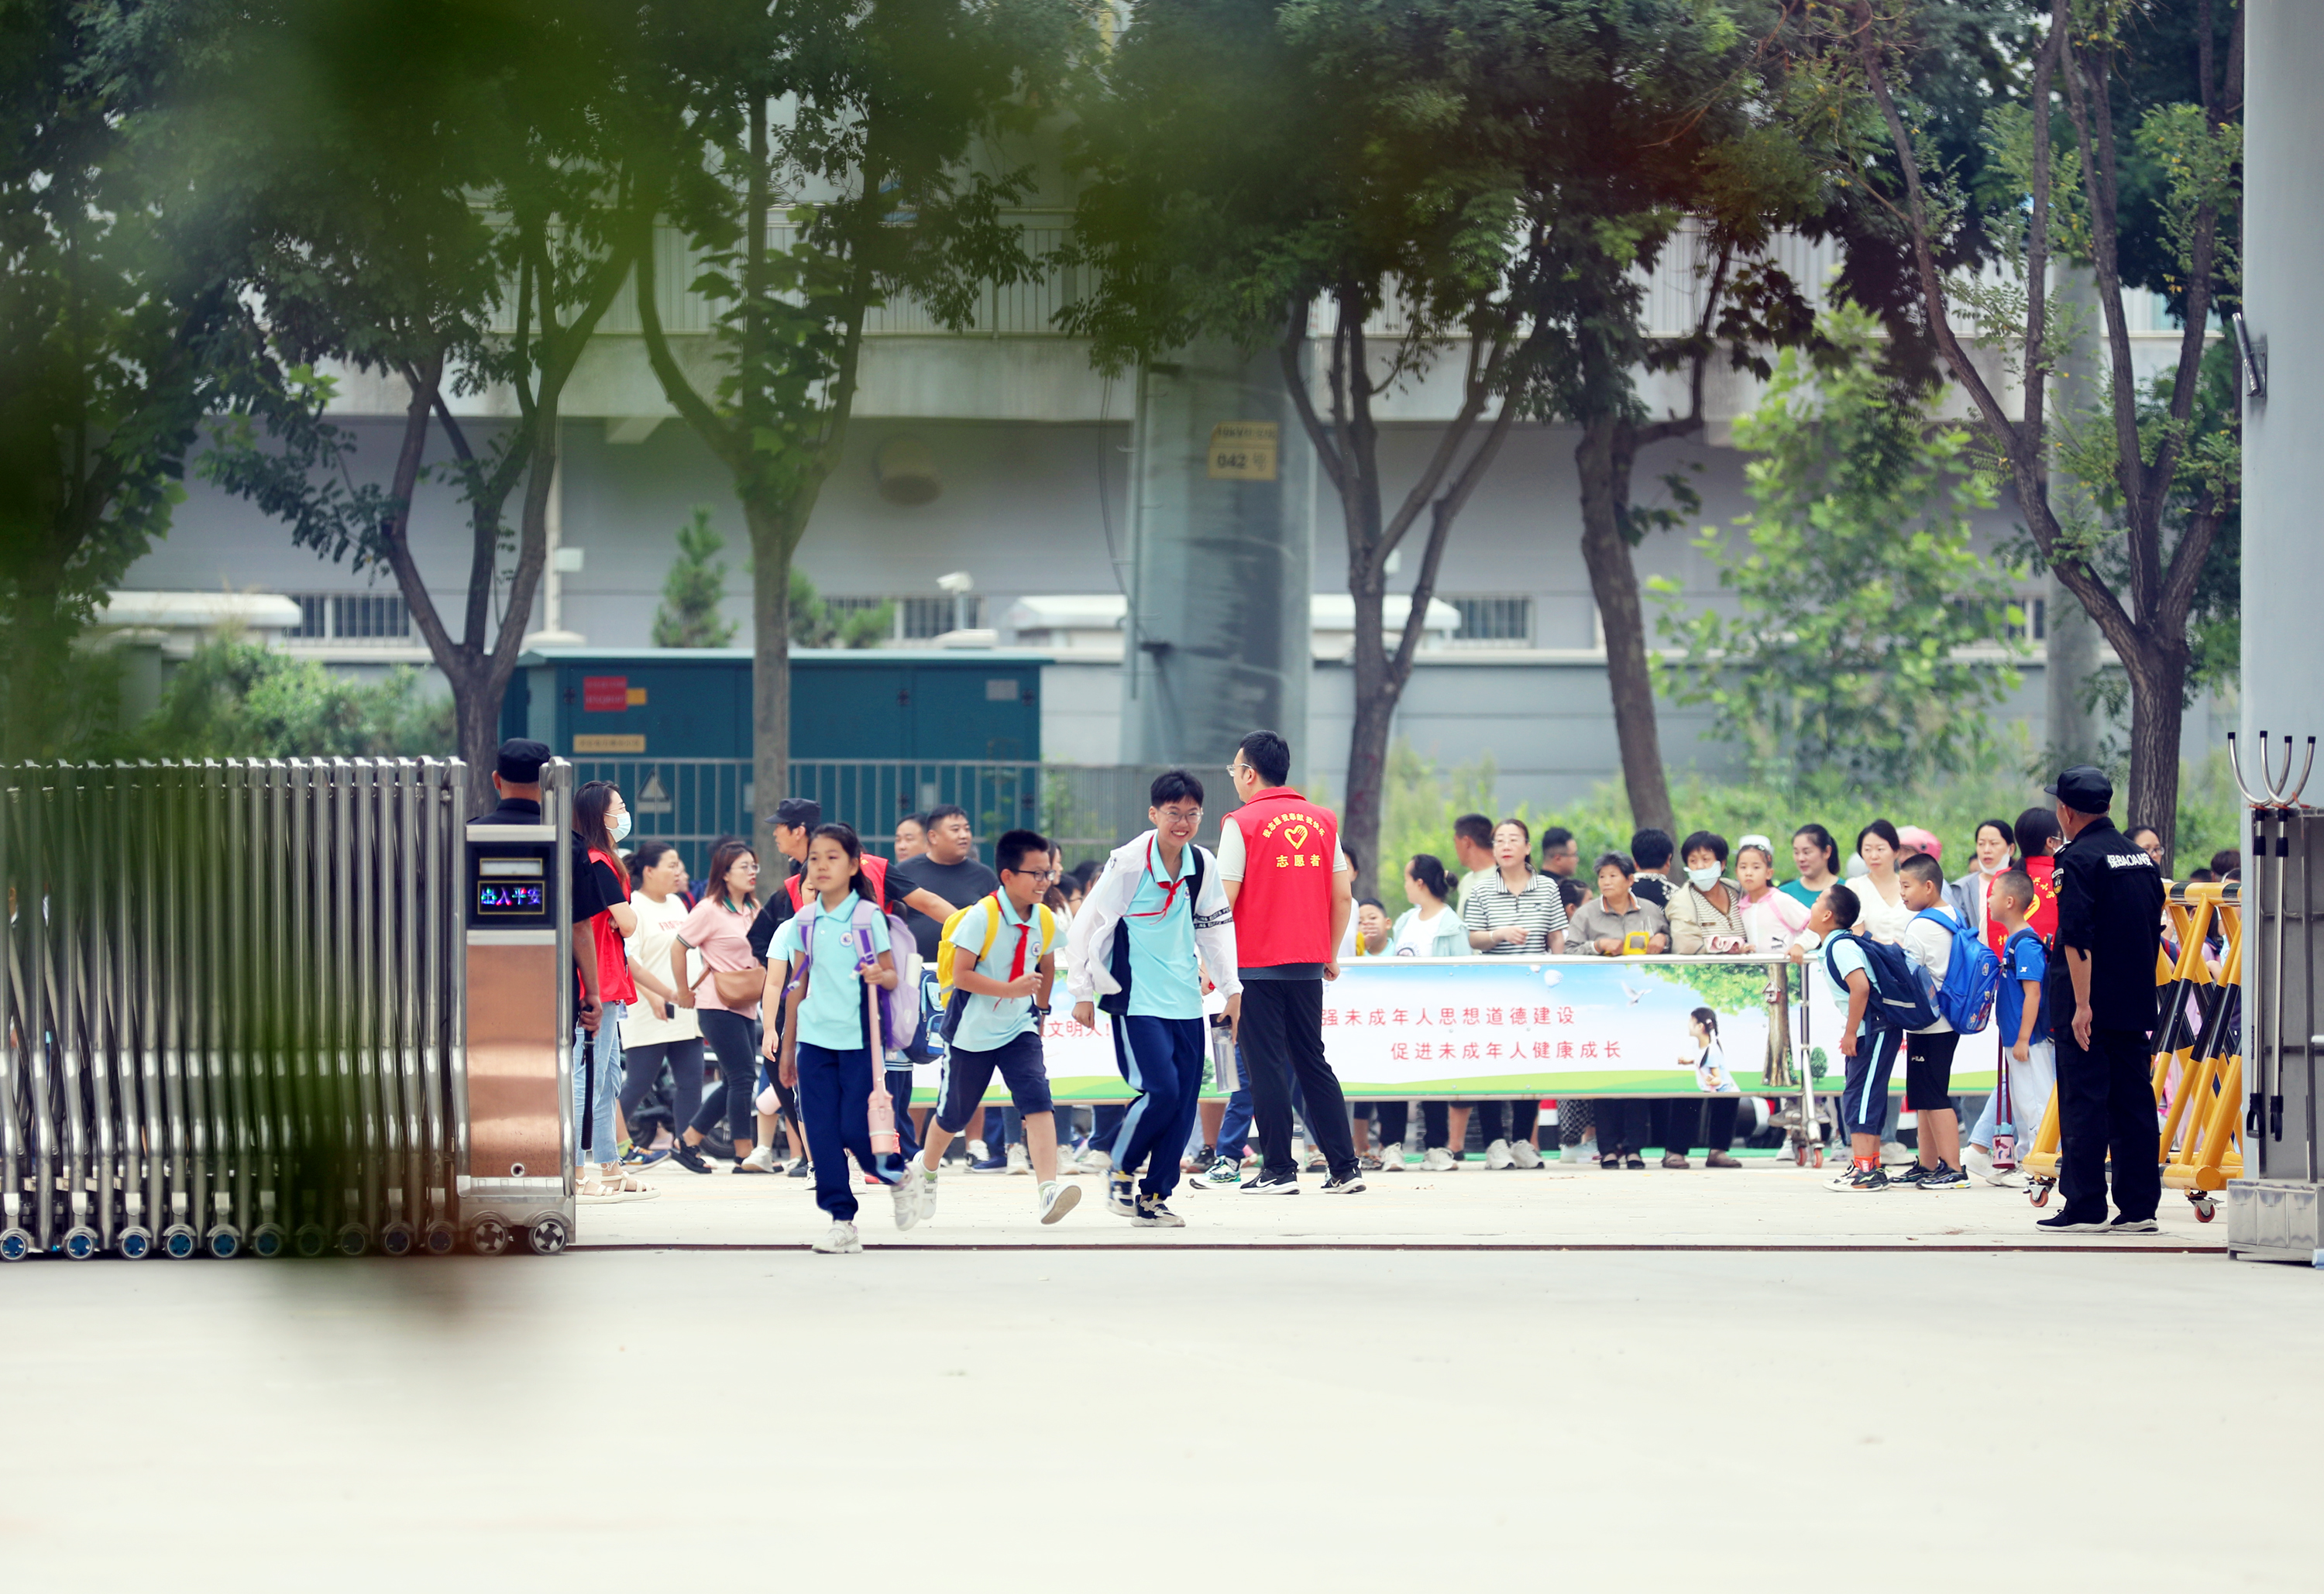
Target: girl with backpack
834 954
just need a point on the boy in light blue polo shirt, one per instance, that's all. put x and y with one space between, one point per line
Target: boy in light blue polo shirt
992 1022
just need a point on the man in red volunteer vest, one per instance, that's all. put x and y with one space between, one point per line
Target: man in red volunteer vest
1290 885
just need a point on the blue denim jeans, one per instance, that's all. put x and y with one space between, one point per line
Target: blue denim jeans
606 1044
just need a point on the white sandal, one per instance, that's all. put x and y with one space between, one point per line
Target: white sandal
597 1189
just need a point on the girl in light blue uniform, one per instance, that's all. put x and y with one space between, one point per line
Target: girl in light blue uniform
831 950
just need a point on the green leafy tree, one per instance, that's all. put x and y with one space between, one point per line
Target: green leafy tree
818 158
695 587
2117 143
1497 179
123 323
1857 588
488 244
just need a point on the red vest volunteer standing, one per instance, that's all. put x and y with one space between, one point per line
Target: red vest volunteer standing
1284 914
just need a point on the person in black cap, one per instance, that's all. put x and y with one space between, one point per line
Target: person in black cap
516 775
2101 990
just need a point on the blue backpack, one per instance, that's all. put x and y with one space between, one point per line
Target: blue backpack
1973 977
1899 999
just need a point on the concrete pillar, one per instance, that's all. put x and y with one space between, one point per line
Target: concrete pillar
1221 502
2284 243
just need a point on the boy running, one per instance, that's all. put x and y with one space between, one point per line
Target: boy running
1863 1090
2021 1011
1152 922
1929 1053
995 993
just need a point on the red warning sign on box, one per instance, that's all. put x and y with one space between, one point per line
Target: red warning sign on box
605 693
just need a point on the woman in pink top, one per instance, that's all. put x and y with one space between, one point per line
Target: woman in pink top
719 929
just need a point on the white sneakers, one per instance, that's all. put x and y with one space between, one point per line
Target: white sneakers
1978 1163
1497 1157
1056 1199
1436 1160
762 1157
1020 1162
1095 1161
1522 1154
906 1193
841 1241
1391 1160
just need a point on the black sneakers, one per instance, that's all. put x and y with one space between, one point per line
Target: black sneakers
1353 1184
1268 1183
2059 1223
1944 1177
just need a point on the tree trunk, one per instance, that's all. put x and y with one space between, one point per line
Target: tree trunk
1614 582
1376 700
475 718
2157 700
770 659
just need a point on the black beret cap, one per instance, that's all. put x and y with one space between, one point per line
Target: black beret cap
521 759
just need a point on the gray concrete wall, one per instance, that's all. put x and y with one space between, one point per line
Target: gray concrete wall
1029 508
2283 236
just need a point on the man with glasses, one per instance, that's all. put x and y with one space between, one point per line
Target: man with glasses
1291 886
1149 926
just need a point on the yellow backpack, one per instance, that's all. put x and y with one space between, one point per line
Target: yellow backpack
947 952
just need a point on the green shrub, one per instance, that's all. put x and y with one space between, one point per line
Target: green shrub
236 698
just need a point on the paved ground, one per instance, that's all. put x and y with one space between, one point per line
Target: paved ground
1561 1205
1318 1419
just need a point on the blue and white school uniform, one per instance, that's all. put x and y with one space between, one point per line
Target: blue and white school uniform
1161 1040
836 1067
994 1032
1864 1087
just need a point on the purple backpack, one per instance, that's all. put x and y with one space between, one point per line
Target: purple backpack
900 1010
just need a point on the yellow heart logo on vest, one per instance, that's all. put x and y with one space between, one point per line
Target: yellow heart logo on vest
1297 835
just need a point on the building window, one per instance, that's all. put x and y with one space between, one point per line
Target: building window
918 619
1492 620
350 617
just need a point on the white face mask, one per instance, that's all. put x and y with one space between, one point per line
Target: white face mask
1703 879
622 825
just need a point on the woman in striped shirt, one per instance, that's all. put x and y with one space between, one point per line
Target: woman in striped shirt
1513 910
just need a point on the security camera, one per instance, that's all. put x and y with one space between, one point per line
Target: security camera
958 581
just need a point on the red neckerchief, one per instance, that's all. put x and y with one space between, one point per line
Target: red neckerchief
1169 888
1024 929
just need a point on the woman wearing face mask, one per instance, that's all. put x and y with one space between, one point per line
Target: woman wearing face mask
1706 911
1771 920
1880 896
601 820
1967 898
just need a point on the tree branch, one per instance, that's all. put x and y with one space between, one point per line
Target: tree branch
1295 381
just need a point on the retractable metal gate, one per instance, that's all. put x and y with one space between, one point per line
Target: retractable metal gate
234 1012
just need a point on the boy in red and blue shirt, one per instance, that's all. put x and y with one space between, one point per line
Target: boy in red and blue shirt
2021 1019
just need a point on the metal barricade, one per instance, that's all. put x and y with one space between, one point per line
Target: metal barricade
233 1009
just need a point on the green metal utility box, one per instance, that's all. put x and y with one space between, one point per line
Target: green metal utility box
695 702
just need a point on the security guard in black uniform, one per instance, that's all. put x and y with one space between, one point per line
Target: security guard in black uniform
516 775
2101 994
